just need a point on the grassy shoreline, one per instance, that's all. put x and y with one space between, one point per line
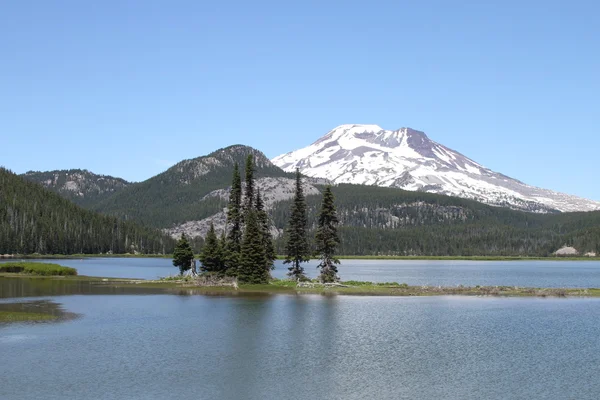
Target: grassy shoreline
20 316
37 268
191 286
379 289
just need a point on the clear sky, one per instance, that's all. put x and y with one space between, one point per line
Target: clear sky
127 88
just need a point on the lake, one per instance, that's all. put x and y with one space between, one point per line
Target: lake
112 344
413 272
306 347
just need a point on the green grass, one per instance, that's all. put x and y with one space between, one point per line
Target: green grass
402 289
20 316
33 268
279 286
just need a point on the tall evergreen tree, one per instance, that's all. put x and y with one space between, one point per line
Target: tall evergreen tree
297 248
327 238
264 226
211 255
234 223
249 180
223 252
183 254
252 264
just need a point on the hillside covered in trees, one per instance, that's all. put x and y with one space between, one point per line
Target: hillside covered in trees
35 220
386 221
176 195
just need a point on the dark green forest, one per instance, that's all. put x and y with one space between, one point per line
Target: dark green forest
36 220
385 221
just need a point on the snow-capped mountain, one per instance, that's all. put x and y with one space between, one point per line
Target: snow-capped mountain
408 159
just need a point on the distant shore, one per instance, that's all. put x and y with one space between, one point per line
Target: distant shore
342 257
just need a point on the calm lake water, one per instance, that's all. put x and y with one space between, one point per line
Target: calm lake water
306 347
118 343
422 272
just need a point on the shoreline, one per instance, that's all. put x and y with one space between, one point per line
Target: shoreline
351 288
342 257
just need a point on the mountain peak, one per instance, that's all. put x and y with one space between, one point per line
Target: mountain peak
406 158
358 128
374 134
78 185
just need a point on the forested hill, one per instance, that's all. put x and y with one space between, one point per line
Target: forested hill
35 220
175 196
82 187
389 221
191 195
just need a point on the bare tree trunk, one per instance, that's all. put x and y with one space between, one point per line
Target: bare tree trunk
193 268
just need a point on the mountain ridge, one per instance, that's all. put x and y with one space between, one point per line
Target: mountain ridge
374 220
81 186
174 196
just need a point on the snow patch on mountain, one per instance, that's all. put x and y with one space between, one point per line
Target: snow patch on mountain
408 159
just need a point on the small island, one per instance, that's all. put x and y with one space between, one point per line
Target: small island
213 284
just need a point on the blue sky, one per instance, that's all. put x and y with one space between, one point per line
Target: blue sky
128 87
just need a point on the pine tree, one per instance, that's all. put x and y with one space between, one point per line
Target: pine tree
264 226
297 248
252 265
183 254
249 179
223 252
210 256
234 223
327 238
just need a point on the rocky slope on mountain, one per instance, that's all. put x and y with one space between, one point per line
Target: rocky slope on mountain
408 159
80 186
273 191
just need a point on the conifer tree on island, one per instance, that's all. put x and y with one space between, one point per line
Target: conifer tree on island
223 251
327 238
234 224
252 264
183 254
249 190
264 226
211 255
297 248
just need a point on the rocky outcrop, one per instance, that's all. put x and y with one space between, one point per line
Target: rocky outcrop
273 190
566 251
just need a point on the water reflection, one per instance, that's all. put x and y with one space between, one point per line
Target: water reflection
41 287
45 307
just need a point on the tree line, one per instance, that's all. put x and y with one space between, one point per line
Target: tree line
388 221
246 249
